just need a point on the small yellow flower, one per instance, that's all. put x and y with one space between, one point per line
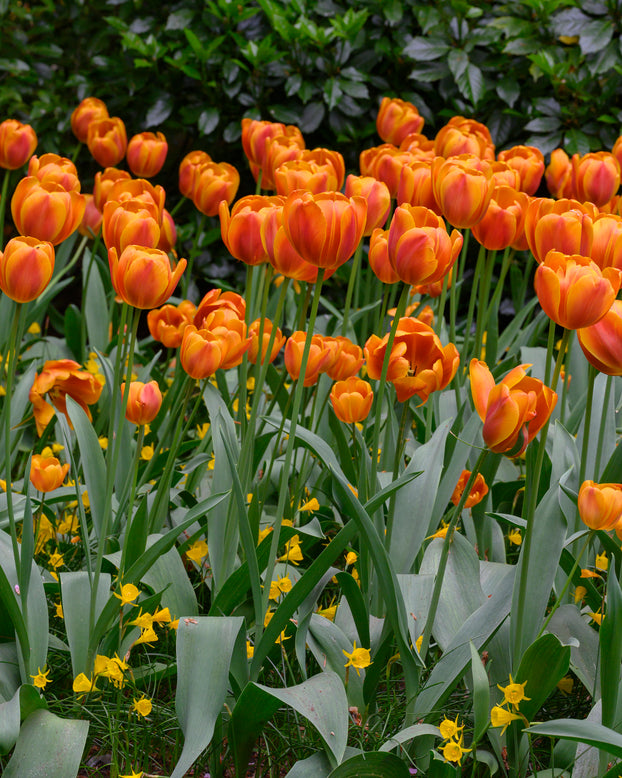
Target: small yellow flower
328 613
173 624
68 525
197 551
250 650
453 751
585 573
34 329
450 729
515 537
597 617
351 558
513 693
143 706
202 430
358 659
579 593
56 560
85 499
279 587
129 593
133 775
293 552
103 442
83 685
566 684
162 616
419 642
500 717
41 680
143 620
147 453
440 533
311 505
602 563
59 610
147 635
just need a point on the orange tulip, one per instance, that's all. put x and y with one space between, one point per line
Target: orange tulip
418 364
320 355
348 358
464 136
280 149
602 342
462 188
143 402
478 491
232 335
215 182
142 277
385 163
529 162
378 199
396 119
600 505
504 175
254 349
107 140
415 185
59 170
216 299
45 210
58 379
513 411
167 324
352 399
420 249
47 473
146 153
26 267
564 225
189 169
304 174
91 223
168 233
130 223
281 254
596 177
607 243
503 224
151 196
327 158
241 228
104 182
257 136
90 108
17 144
378 257
201 352
558 175
573 291
326 228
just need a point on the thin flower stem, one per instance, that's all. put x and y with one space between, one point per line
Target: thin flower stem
354 272
587 418
477 282
442 564
3 199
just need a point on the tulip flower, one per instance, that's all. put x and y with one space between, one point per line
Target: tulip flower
478 491
241 227
167 324
415 185
596 177
168 233
231 332
418 365
420 249
216 299
17 144
602 342
45 210
385 163
201 352
558 175
396 119
257 137
378 199
325 229
351 399
107 140
47 473
189 169
607 241
143 403
304 174
26 267
464 136
327 158
91 223
215 182
90 109
146 153
503 224
565 225
58 379
254 349
573 291
152 197
529 162
104 181
320 355
600 505
281 254
462 187
142 277
513 411
59 170
348 358
378 257
130 223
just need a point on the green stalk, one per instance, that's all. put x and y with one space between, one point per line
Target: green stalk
479 270
591 378
482 307
602 428
442 564
132 497
399 453
354 272
3 198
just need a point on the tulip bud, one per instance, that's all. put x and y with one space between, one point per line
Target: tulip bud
558 175
351 399
254 349
256 139
304 174
396 119
602 342
107 141
564 225
415 185
607 243
59 170
90 109
26 267
189 169
348 358
91 223
464 136
215 182
529 162
385 163
168 233
47 473
146 153
378 199
129 223
216 300
201 352
143 402
462 188
378 257
45 210
503 224
167 324
142 277
600 505
596 177
17 144
281 254
241 228
320 355
104 182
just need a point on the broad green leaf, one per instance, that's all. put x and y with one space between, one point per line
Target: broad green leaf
569 625
544 664
75 590
410 733
317 765
481 694
320 699
20 402
581 731
610 640
95 307
73 331
9 667
168 575
204 650
372 765
604 447
9 723
48 747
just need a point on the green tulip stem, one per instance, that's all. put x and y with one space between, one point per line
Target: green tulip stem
354 273
130 504
3 196
454 294
602 428
587 418
482 306
477 283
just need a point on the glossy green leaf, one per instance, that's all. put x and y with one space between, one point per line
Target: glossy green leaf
75 590
610 640
408 734
372 765
544 664
95 307
581 731
481 694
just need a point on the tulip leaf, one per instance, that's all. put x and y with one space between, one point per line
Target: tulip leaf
73 331
317 765
75 590
95 305
610 640
320 699
205 647
481 694
581 731
543 665
48 746
375 764
168 575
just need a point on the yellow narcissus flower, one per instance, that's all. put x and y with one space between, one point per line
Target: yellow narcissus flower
142 706
500 717
41 680
311 505
358 659
292 553
279 587
515 537
129 593
197 551
513 693
601 563
83 685
453 751
450 729
133 775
